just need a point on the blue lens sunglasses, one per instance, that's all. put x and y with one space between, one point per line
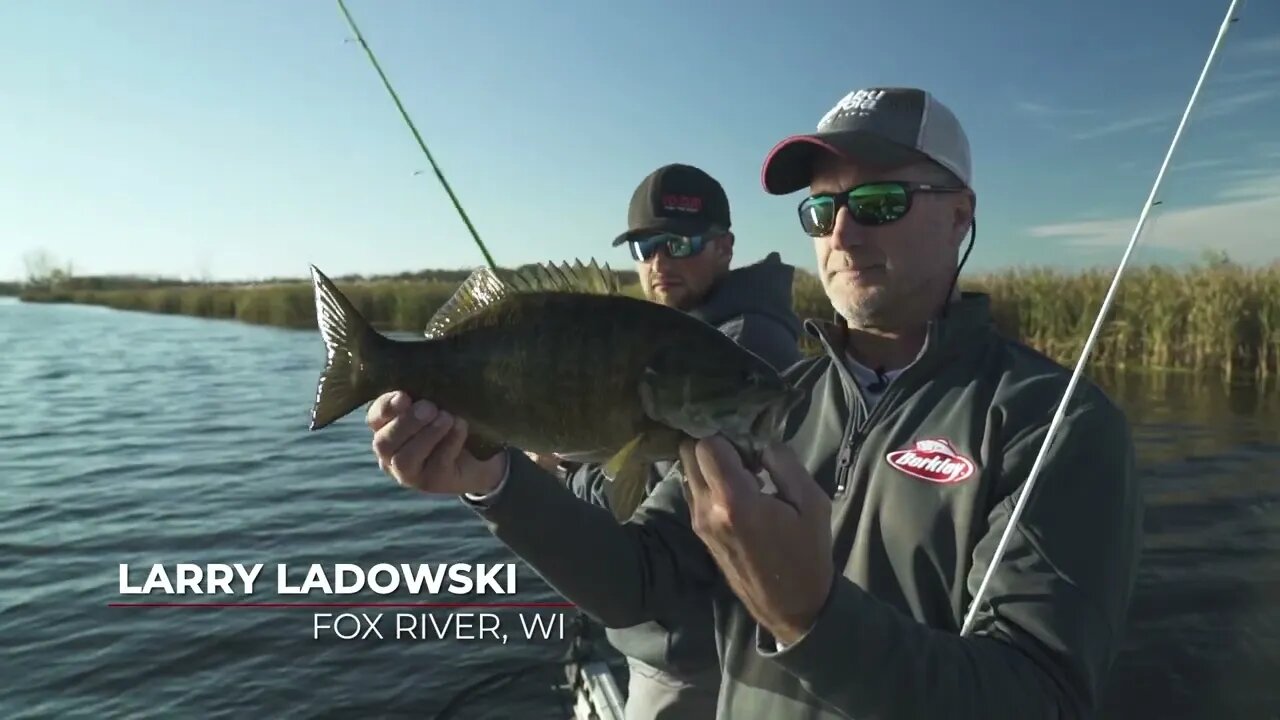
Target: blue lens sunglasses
677 246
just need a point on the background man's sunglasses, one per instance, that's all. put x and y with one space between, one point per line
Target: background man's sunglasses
871 204
677 246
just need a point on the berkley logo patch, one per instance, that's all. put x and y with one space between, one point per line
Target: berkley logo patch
933 460
682 203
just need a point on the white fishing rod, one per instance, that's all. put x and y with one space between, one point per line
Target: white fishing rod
1097 327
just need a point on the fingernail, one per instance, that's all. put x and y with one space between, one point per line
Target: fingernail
423 410
444 418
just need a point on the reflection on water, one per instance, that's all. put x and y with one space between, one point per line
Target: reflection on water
1204 639
154 439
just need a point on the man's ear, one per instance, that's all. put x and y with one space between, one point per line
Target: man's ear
964 214
725 247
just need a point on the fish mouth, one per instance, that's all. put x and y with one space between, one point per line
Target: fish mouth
769 423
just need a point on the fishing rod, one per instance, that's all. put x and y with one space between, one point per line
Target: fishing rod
578 645
1230 19
416 135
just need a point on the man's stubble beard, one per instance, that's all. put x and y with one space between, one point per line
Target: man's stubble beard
677 301
862 308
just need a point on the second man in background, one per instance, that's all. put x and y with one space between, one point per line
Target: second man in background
678 232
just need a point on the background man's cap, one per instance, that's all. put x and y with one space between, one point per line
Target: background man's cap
879 125
676 198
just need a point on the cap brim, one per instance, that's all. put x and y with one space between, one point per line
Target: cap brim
789 165
679 226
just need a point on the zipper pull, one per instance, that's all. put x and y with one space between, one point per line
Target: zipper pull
846 454
842 466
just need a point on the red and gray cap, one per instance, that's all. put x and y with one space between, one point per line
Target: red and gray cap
884 126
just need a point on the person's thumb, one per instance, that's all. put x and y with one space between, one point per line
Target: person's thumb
794 482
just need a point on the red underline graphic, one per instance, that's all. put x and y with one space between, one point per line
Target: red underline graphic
281 605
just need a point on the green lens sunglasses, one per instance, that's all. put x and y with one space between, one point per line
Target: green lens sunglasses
870 204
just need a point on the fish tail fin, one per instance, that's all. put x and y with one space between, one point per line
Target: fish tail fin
348 340
627 471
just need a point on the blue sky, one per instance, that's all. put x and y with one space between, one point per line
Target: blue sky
242 138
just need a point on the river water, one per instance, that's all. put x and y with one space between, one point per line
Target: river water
142 439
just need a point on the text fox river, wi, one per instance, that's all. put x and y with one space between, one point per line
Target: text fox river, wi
460 626
338 579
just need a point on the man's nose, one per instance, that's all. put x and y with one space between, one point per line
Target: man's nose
846 233
660 258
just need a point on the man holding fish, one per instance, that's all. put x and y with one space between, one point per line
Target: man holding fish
841 593
679 235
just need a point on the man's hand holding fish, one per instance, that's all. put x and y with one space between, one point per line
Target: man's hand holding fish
422 447
774 550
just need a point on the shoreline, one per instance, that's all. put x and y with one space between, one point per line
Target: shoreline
1218 318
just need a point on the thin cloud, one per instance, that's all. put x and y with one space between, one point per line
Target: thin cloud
1245 223
1248 76
1268 149
1052 118
1201 164
1111 232
1033 108
1260 46
1138 122
1237 102
1249 175
1259 185
1211 107
1040 109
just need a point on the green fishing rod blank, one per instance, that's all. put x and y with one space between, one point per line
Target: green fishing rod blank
416 135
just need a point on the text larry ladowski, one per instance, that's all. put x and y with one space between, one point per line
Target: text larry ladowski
338 579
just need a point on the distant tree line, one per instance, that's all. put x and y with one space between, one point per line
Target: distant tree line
46 274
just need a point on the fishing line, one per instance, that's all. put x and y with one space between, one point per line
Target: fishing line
416 136
1097 327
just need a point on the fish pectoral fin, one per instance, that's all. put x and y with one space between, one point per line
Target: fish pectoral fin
628 469
623 456
582 456
626 472
627 491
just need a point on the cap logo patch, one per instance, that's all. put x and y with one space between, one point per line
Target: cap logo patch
858 101
691 204
934 460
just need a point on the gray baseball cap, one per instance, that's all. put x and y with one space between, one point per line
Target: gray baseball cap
882 125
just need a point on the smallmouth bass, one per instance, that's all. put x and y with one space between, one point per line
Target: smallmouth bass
556 359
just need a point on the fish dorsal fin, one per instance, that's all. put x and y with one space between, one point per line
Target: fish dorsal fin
481 289
576 278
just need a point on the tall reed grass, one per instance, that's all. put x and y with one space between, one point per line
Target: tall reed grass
1219 317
